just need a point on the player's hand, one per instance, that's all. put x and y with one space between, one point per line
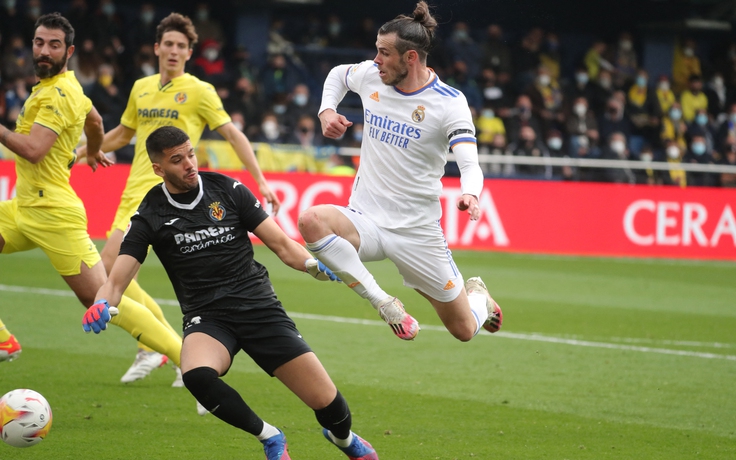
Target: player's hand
270 197
334 125
97 316
98 159
469 203
317 269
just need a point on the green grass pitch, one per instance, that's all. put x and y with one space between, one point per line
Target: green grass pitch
598 359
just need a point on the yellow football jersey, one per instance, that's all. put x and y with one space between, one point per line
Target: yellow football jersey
59 104
185 102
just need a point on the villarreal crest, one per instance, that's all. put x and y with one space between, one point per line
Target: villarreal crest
217 212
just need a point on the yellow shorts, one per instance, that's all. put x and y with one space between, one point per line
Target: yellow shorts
60 232
127 207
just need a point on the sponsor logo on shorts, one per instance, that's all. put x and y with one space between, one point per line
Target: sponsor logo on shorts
193 321
448 286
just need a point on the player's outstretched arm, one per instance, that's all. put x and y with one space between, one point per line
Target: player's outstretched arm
109 295
290 252
245 153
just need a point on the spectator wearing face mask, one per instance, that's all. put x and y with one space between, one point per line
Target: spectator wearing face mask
616 149
719 96
685 63
674 127
522 116
528 145
625 60
496 53
693 98
206 26
665 95
305 133
270 131
547 100
702 124
602 92
647 156
582 126
579 86
641 109
142 29
487 126
210 65
556 148
462 47
698 153
549 57
673 155
614 119
335 32
299 103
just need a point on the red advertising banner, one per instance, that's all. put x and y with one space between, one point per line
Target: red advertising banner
517 216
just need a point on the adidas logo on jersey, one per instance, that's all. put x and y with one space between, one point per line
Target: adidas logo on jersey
374 96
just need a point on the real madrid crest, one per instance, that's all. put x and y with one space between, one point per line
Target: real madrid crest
418 114
217 212
180 98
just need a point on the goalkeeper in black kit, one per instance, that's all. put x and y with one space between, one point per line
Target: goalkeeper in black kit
198 224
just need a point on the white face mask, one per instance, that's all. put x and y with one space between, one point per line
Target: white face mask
580 109
555 143
148 69
270 129
618 146
487 113
543 80
688 52
625 45
646 156
210 54
300 99
664 85
673 152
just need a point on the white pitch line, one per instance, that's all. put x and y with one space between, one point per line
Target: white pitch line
509 335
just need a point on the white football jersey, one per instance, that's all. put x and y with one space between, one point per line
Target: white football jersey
406 138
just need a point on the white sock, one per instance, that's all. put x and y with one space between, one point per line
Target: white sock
342 258
478 307
341 442
268 431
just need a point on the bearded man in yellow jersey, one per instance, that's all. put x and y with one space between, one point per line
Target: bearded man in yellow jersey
46 211
170 98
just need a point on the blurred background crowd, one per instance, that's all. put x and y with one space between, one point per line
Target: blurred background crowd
534 89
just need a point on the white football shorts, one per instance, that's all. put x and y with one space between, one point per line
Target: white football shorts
420 253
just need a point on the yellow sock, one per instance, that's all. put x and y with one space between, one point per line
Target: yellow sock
4 332
143 326
136 292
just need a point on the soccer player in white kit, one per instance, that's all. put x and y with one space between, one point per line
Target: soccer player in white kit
411 120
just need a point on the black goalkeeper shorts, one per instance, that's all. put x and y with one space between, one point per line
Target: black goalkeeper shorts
267 335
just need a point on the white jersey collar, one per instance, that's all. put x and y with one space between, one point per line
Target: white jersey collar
189 206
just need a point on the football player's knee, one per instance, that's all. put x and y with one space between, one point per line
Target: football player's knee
309 222
199 382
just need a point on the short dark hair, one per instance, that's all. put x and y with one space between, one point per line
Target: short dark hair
164 138
178 23
58 22
412 32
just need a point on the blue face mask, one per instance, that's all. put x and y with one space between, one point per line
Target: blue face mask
675 114
701 119
581 78
641 82
698 148
732 117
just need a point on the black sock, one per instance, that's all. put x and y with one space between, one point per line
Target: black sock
221 399
336 417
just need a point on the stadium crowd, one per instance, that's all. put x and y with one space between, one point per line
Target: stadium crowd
523 101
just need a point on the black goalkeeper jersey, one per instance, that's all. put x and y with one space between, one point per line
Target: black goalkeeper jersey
201 238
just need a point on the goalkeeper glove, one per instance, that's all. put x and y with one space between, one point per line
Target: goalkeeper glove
97 316
320 271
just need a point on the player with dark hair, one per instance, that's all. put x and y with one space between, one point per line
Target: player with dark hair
198 224
46 212
175 98
411 120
